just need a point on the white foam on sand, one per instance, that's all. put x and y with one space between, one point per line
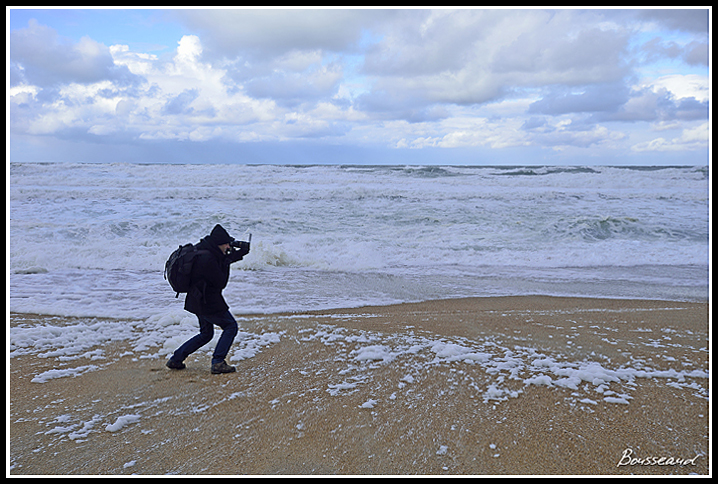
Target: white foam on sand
509 370
506 372
158 336
489 371
63 373
121 422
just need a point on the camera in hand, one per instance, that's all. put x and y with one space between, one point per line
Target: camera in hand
241 246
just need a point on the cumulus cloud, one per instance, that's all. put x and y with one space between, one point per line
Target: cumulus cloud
690 139
40 57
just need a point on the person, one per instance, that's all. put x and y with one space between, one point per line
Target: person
210 274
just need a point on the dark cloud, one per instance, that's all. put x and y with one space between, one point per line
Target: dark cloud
686 20
536 123
293 88
615 102
561 56
179 104
694 54
424 42
591 99
385 105
479 56
39 56
258 34
652 106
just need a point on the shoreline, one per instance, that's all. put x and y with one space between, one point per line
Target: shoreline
15 315
518 385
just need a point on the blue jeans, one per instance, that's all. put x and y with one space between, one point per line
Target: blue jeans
206 331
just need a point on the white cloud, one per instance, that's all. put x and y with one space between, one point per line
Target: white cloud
681 86
138 63
400 78
186 61
690 139
23 93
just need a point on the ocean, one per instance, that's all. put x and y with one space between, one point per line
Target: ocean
91 239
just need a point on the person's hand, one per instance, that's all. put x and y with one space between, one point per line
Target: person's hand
238 253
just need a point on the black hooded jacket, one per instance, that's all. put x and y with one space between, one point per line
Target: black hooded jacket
210 274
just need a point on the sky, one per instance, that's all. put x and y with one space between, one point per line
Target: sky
359 86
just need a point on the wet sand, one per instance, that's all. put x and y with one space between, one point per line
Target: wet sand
455 387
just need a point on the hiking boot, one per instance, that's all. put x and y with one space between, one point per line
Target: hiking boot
173 365
222 367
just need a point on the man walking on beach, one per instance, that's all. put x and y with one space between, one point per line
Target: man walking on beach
210 274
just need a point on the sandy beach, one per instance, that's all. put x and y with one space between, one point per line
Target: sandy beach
480 386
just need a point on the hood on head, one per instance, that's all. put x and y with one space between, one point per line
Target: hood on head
220 236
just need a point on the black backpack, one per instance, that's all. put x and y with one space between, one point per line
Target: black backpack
178 268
